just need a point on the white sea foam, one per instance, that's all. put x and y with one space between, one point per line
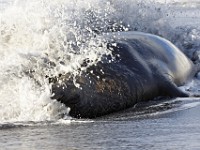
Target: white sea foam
42 38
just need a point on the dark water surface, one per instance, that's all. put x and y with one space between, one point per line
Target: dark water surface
174 129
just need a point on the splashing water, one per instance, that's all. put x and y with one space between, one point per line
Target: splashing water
43 38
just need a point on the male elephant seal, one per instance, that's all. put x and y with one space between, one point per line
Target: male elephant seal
145 66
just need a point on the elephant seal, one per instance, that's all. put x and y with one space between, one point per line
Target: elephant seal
145 66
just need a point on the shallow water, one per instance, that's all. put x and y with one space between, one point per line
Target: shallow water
177 129
62 32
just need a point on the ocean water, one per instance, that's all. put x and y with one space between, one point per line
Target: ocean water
45 38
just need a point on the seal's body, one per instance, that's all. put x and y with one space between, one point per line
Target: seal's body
145 66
